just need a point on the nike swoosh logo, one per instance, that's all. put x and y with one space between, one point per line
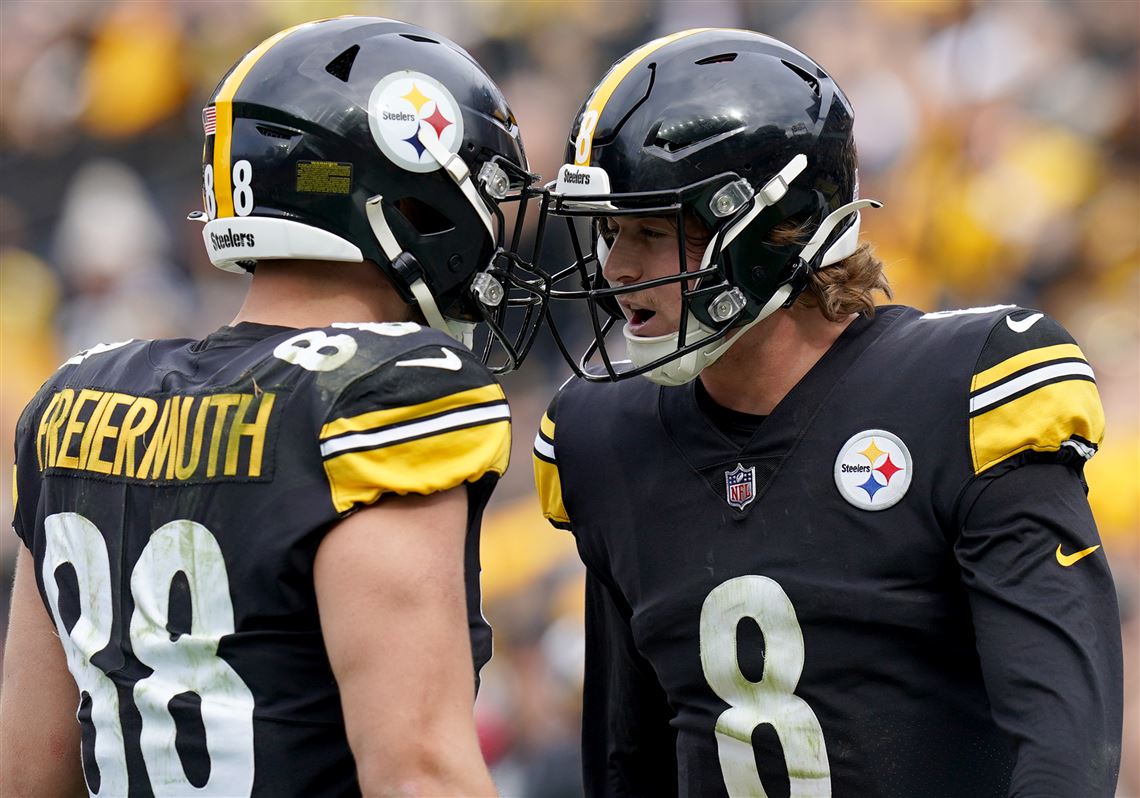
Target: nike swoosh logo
1024 324
1068 559
449 361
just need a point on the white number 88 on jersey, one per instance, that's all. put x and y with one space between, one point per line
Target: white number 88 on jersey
180 664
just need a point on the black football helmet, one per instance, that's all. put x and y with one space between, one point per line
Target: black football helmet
732 128
363 138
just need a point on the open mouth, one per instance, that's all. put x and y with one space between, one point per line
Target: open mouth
640 319
639 316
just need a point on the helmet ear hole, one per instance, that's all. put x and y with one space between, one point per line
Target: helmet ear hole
424 219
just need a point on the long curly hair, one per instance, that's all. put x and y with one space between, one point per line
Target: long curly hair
842 288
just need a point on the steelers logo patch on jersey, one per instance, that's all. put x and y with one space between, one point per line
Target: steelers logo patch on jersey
873 469
415 120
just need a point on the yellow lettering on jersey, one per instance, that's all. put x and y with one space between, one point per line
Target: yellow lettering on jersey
133 428
185 467
155 456
92 425
178 434
104 432
44 435
224 403
41 431
74 427
255 431
173 438
67 397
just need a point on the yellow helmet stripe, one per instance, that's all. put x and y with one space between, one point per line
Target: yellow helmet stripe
606 88
223 104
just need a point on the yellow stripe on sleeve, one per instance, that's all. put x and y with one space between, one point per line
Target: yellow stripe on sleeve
1024 360
426 465
609 84
549 484
1039 421
547 479
377 419
224 120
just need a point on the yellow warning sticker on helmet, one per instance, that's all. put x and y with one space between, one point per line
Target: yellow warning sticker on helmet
324 177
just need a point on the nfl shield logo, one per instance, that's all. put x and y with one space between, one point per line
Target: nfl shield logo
739 486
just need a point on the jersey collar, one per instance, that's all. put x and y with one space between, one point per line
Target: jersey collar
708 451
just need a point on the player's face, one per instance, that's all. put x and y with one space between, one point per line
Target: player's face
645 248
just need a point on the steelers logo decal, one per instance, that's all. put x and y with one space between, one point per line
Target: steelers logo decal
407 109
873 470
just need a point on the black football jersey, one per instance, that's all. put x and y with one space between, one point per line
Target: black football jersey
174 493
893 588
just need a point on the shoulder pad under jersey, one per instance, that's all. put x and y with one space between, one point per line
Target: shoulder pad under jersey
546 476
1032 390
426 418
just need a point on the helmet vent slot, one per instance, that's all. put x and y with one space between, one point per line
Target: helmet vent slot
341 66
805 76
275 132
416 38
425 219
672 135
723 58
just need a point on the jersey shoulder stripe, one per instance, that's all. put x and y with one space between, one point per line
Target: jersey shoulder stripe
424 428
1033 390
442 412
1025 372
547 478
437 462
425 447
544 440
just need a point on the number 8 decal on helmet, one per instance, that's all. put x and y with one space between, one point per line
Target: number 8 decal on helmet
243 194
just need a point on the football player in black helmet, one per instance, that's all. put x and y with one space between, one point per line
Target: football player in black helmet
260 550
342 158
760 141
831 550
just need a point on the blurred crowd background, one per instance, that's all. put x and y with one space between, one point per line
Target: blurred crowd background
1003 138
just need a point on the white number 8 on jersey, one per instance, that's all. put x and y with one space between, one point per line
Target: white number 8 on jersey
771 700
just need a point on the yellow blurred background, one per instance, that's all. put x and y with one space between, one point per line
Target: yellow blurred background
1003 137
